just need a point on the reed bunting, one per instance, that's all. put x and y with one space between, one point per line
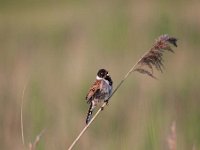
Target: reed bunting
99 92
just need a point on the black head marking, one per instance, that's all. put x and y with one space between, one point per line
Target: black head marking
108 78
102 73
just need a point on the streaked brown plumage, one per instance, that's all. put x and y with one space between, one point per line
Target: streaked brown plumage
96 86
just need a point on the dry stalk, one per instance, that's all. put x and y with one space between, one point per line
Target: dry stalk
33 145
194 148
172 137
151 59
21 116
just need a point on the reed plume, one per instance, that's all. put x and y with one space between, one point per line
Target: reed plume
145 65
154 57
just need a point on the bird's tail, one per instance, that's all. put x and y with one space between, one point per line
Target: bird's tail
89 114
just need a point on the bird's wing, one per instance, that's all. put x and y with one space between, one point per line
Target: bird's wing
95 87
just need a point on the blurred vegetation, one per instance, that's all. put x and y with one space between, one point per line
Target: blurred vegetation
55 48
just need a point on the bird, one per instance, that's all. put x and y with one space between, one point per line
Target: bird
99 92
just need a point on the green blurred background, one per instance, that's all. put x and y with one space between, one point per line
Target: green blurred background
54 49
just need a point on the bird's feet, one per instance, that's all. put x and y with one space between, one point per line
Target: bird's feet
106 101
102 107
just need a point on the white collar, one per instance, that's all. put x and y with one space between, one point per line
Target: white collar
98 78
